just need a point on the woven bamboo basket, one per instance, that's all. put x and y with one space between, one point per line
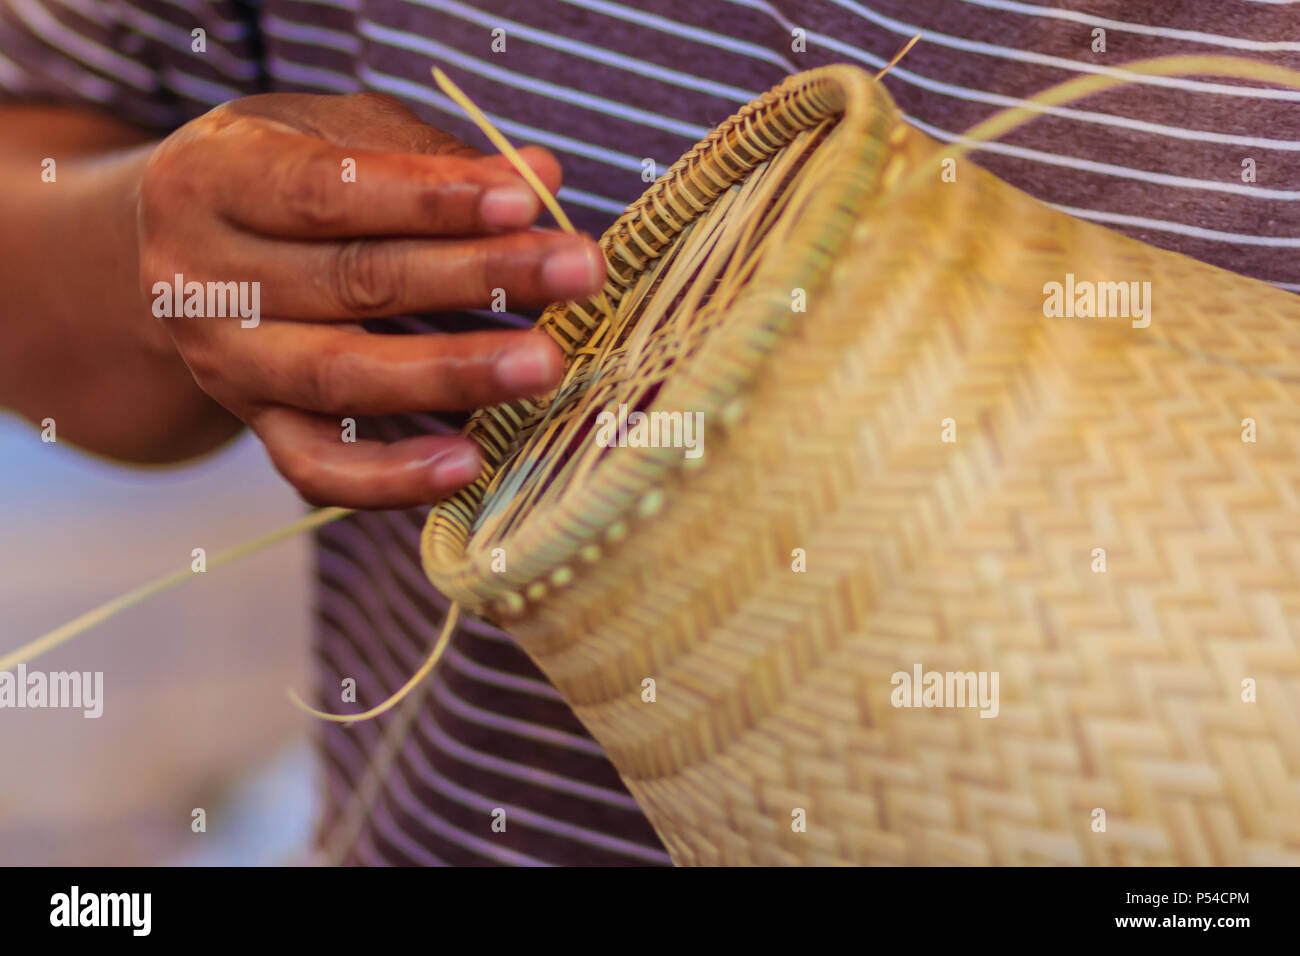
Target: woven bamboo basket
907 466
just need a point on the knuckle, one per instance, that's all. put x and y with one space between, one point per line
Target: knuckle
438 199
307 194
223 115
366 278
381 103
301 471
316 497
155 268
431 141
162 185
203 367
207 365
332 382
153 201
149 219
462 392
479 271
313 495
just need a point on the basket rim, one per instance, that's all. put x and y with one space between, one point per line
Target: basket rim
543 550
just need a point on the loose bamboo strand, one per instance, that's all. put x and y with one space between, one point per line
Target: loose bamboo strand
344 836
453 614
117 605
508 150
898 56
1004 121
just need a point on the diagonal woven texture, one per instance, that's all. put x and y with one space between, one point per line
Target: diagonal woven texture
916 471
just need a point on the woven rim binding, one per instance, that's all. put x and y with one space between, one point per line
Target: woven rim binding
545 550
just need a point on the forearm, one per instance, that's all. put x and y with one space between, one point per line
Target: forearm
78 340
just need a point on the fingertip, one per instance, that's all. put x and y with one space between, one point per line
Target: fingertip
533 364
454 467
574 269
509 206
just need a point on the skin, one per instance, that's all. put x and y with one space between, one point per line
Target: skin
253 191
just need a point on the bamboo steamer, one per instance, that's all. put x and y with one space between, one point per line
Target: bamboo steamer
970 486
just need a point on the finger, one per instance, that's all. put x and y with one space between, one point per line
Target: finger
371 278
309 452
314 189
352 372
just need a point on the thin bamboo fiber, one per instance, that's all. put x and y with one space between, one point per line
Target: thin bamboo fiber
1120 691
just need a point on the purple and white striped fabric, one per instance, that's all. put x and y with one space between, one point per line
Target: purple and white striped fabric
605 85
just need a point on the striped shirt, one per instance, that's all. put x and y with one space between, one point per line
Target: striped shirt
1202 165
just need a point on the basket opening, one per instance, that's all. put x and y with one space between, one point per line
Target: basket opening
703 274
659 324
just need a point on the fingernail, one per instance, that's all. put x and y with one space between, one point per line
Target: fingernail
508 207
528 367
455 467
573 270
